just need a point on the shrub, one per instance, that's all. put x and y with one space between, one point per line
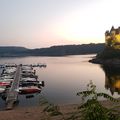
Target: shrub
92 109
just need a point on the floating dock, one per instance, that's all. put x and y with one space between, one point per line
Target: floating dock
20 78
12 94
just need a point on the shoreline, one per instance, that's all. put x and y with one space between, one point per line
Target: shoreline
36 112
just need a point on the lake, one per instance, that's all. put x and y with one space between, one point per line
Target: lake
65 76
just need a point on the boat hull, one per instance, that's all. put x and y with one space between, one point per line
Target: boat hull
29 90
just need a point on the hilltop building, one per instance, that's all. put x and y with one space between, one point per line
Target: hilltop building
112 38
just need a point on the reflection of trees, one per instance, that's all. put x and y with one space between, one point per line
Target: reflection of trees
112 79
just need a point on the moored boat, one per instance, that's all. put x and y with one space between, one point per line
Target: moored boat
29 79
28 90
2 89
5 83
6 80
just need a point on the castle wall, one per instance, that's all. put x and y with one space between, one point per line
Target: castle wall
112 38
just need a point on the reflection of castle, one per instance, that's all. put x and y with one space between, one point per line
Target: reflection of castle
112 38
112 84
112 79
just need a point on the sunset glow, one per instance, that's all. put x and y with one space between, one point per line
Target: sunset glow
38 23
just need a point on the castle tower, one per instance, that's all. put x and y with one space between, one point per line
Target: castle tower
112 38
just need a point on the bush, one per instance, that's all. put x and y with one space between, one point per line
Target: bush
92 109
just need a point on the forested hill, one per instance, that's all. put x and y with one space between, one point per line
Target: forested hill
52 51
9 51
68 50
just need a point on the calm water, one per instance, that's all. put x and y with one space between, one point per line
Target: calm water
65 76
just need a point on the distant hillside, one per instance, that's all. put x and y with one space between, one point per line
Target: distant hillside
68 50
52 51
8 51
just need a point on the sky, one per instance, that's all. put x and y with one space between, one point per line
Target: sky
44 23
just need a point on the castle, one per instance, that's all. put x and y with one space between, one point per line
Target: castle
112 38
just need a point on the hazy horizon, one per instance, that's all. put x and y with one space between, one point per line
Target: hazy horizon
38 23
46 46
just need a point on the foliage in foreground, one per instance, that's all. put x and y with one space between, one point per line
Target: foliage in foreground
51 109
92 109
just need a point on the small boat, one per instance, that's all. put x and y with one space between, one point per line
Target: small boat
10 70
30 75
10 65
29 79
5 83
6 80
34 65
27 72
7 76
27 68
42 65
2 90
28 90
29 83
39 84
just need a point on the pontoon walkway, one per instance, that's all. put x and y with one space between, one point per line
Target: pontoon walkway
12 94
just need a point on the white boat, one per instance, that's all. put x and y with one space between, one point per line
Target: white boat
10 70
28 79
31 83
2 90
27 68
28 72
6 80
10 65
7 77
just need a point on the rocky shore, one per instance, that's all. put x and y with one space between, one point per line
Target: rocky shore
115 62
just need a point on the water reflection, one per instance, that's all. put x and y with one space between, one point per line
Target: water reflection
64 77
112 79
